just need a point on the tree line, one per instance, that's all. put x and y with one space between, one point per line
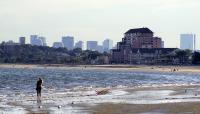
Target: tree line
47 55
29 54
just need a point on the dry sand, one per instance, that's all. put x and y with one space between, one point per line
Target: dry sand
142 68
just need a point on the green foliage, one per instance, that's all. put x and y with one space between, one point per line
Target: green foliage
196 58
46 55
184 56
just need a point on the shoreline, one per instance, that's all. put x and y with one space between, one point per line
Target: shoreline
184 106
173 99
153 99
142 68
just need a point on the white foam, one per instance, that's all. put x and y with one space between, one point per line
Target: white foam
118 92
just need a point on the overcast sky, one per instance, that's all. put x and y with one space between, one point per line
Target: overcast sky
98 19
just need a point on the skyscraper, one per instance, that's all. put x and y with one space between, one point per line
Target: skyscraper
163 44
68 42
79 44
22 40
107 45
188 41
92 45
43 40
34 40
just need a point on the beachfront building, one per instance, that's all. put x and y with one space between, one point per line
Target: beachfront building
92 45
139 46
188 41
141 38
68 42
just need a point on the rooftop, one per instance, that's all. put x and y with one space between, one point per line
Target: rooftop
139 30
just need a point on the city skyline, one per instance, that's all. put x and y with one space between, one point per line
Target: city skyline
91 20
28 40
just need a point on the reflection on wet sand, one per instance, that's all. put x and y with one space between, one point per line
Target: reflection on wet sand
59 103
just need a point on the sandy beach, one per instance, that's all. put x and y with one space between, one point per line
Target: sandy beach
146 100
170 108
180 107
149 99
144 68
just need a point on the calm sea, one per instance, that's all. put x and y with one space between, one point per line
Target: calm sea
24 79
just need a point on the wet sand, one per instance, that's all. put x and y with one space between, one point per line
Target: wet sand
175 107
168 108
145 100
168 99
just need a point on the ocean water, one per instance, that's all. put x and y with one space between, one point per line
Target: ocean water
24 80
62 86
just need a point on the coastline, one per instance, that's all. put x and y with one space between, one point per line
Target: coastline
141 68
170 99
177 101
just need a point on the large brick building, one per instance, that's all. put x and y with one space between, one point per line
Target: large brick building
139 46
141 38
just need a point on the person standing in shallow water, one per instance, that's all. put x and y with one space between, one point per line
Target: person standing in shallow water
39 88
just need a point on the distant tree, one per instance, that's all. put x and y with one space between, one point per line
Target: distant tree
77 50
196 58
41 54
183 55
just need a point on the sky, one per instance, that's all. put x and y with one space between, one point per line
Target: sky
98 19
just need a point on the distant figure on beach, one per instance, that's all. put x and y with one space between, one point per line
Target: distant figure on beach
39 88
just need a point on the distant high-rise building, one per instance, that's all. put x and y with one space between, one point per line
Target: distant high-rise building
43 40
68 42
188 41
194 41
92 45
100 49
163 44
34 40
79 44
107 45
58 44
22 40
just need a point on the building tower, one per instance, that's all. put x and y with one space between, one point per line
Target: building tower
79 44
92 45
107 45
187 41
68 42
22 40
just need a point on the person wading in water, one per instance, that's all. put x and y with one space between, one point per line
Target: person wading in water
38 89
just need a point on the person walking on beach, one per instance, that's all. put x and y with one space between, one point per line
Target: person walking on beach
39 88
